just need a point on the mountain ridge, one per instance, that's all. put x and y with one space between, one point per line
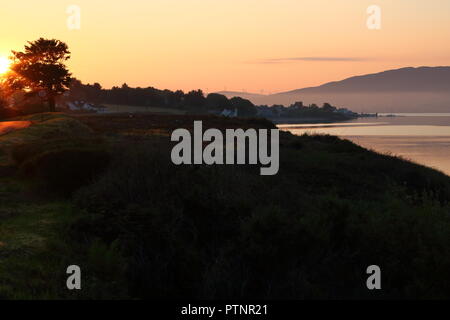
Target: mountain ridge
408 78
407 89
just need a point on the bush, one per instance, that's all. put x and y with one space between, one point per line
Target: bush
32 107
24 151
62 170
6 112
310 232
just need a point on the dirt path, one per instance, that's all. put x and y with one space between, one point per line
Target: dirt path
8 126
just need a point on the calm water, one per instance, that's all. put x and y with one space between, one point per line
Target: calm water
422 138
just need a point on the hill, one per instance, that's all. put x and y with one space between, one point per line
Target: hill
423 79
254 97
100 191
422 89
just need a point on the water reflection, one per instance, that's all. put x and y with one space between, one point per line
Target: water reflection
423 139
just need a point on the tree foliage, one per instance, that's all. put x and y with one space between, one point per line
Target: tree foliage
41 68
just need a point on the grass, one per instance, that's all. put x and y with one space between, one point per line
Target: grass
309 232
44 126
148 229
126 108
28 232
35 250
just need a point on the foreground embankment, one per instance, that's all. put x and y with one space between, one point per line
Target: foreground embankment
101 192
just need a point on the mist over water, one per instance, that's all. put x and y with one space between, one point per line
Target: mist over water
422 138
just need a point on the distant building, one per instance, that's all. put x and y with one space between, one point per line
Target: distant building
84 106
229 113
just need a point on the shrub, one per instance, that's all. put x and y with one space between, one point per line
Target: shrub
64 170
6 113
310 232
32 107
24 151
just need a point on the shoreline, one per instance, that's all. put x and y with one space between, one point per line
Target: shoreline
306 120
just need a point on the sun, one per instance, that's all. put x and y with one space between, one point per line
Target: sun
4 65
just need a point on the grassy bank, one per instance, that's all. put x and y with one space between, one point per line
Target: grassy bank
140 227
116 108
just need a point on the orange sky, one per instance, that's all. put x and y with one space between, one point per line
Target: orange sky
250 45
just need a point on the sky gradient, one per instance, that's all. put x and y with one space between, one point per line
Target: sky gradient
251 45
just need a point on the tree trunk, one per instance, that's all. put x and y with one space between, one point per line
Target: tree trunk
51 103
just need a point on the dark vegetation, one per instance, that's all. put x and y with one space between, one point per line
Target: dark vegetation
196 102
40 70
5 112
193 101
61 166
140 227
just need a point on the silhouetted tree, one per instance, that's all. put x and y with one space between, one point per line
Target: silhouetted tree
217 101
328 107
195 99
245 107
173 99
297 105
41 68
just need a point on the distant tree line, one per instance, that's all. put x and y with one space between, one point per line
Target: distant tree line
192 101
299 110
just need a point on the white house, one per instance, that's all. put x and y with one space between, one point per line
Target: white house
229 113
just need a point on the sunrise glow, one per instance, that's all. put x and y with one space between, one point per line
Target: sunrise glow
4 65
253 45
